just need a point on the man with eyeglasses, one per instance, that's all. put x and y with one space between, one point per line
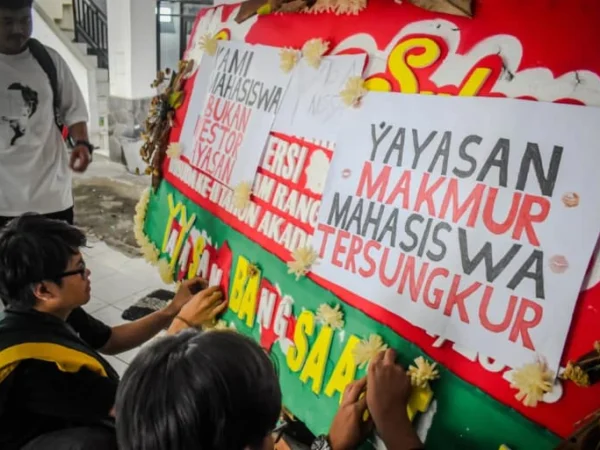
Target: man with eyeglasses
56 390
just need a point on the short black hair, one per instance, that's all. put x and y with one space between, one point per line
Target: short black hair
215 390
34 249
15 4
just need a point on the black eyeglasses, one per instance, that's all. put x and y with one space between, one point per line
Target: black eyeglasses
81 272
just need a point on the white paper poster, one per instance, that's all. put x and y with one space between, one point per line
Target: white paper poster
225 138
473 218
312 107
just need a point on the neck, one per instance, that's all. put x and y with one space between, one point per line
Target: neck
61 314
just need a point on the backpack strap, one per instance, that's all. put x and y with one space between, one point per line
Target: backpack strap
43 58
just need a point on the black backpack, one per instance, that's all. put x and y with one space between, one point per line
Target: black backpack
41 55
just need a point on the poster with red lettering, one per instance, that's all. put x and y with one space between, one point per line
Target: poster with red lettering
223 136
463 216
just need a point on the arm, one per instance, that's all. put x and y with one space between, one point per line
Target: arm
388 391
74 113
130 335
79 131
202 308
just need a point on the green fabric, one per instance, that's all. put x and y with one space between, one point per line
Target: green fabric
466 417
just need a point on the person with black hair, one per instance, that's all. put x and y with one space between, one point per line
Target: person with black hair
56 390
218 390
39 97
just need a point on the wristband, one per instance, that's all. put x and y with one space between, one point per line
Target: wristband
83 143
189 325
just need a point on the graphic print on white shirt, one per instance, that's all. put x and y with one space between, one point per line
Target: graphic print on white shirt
18 116
34 162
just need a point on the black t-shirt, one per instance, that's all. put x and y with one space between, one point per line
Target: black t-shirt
43 398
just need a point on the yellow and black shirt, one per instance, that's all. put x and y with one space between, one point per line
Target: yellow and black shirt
51 376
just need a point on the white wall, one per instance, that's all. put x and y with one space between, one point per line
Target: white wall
84 74
132 48
52 7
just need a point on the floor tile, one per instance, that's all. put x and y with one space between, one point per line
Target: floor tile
110 315
95 248
139 268
113 259
119 286
94 305
127 357
117 364
98 269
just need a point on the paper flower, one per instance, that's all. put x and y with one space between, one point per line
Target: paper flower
349 7
533 381
221 325
313 51
147 248
422 372
322 6
303 260
174 150
150 252
366 350
241 195
208 43
353 92
166 271
288 58
332 317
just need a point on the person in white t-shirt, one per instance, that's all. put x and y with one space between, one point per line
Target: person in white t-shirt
35 166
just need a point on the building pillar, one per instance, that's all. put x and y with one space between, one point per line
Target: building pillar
132 63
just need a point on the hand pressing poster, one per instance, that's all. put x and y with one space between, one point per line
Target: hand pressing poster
244 92
312 107
473 218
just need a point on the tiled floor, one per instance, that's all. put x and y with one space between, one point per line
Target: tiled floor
117 283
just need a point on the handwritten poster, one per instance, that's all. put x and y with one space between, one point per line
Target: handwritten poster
287 192
472 218
312 106
242 97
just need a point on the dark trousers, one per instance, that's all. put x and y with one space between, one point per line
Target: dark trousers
84 438
66 216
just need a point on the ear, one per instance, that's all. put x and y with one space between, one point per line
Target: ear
45 291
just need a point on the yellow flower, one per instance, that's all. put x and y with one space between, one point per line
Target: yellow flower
424 372
288 59
150 252
148 249
366 350
241 195
353 92
532 381
174 150
209 43
332 317
166 271
313 51
303 259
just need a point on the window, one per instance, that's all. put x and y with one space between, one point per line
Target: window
165 15
174 22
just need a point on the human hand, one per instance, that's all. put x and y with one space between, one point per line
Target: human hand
80 158
388 391
185 293
205 306
348 428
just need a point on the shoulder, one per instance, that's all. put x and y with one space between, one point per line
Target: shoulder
91 330
56 57
36 46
